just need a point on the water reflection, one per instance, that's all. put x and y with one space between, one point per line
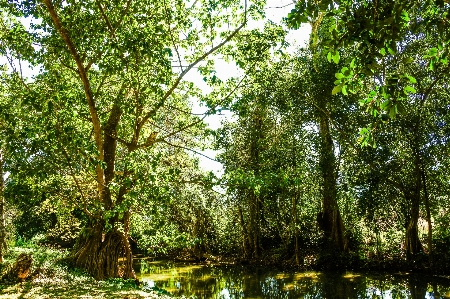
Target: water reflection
232 282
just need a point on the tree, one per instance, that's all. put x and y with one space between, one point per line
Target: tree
2 210
107 94
377 29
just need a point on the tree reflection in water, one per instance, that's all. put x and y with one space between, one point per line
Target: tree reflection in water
232 282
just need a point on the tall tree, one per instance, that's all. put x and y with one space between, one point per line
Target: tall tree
108 94
2 209
377 28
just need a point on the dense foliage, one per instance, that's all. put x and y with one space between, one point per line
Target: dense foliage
99 147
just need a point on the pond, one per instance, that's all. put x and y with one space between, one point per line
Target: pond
232 282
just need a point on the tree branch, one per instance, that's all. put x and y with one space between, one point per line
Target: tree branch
105 17
87 88
192 65
189 149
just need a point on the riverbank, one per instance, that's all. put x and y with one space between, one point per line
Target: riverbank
213 276
50 277
352 261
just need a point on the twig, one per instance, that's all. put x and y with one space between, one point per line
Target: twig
189 149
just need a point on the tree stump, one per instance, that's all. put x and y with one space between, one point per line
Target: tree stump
21 268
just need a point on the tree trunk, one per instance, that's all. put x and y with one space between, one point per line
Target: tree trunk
330 220
254 229
105 254
105 251
294 203
2 211
255 202
295 229
245 237
430 226
412 241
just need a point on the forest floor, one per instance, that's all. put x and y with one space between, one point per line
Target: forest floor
51 278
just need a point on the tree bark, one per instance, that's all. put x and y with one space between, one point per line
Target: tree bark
412 242
2 211
330 220
245 237
294 204
105 253
254 229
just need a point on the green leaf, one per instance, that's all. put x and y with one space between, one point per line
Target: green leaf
409 89
329 56
339 75
336 57
393 112
432 64
405 16
432 52
411 79
337 89
386 105
344 90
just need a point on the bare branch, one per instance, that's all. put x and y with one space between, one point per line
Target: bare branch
10 59
283 6
189 149
105 17
68 66
77 183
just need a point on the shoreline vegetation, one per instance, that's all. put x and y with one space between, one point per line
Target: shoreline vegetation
52 276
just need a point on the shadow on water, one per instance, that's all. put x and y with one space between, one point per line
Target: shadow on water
232 282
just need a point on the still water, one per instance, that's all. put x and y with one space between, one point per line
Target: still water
232 282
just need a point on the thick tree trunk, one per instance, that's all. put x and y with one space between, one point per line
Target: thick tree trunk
413 246
2 211
105 254
412 243
330 220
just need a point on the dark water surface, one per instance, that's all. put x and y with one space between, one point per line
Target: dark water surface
207 281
